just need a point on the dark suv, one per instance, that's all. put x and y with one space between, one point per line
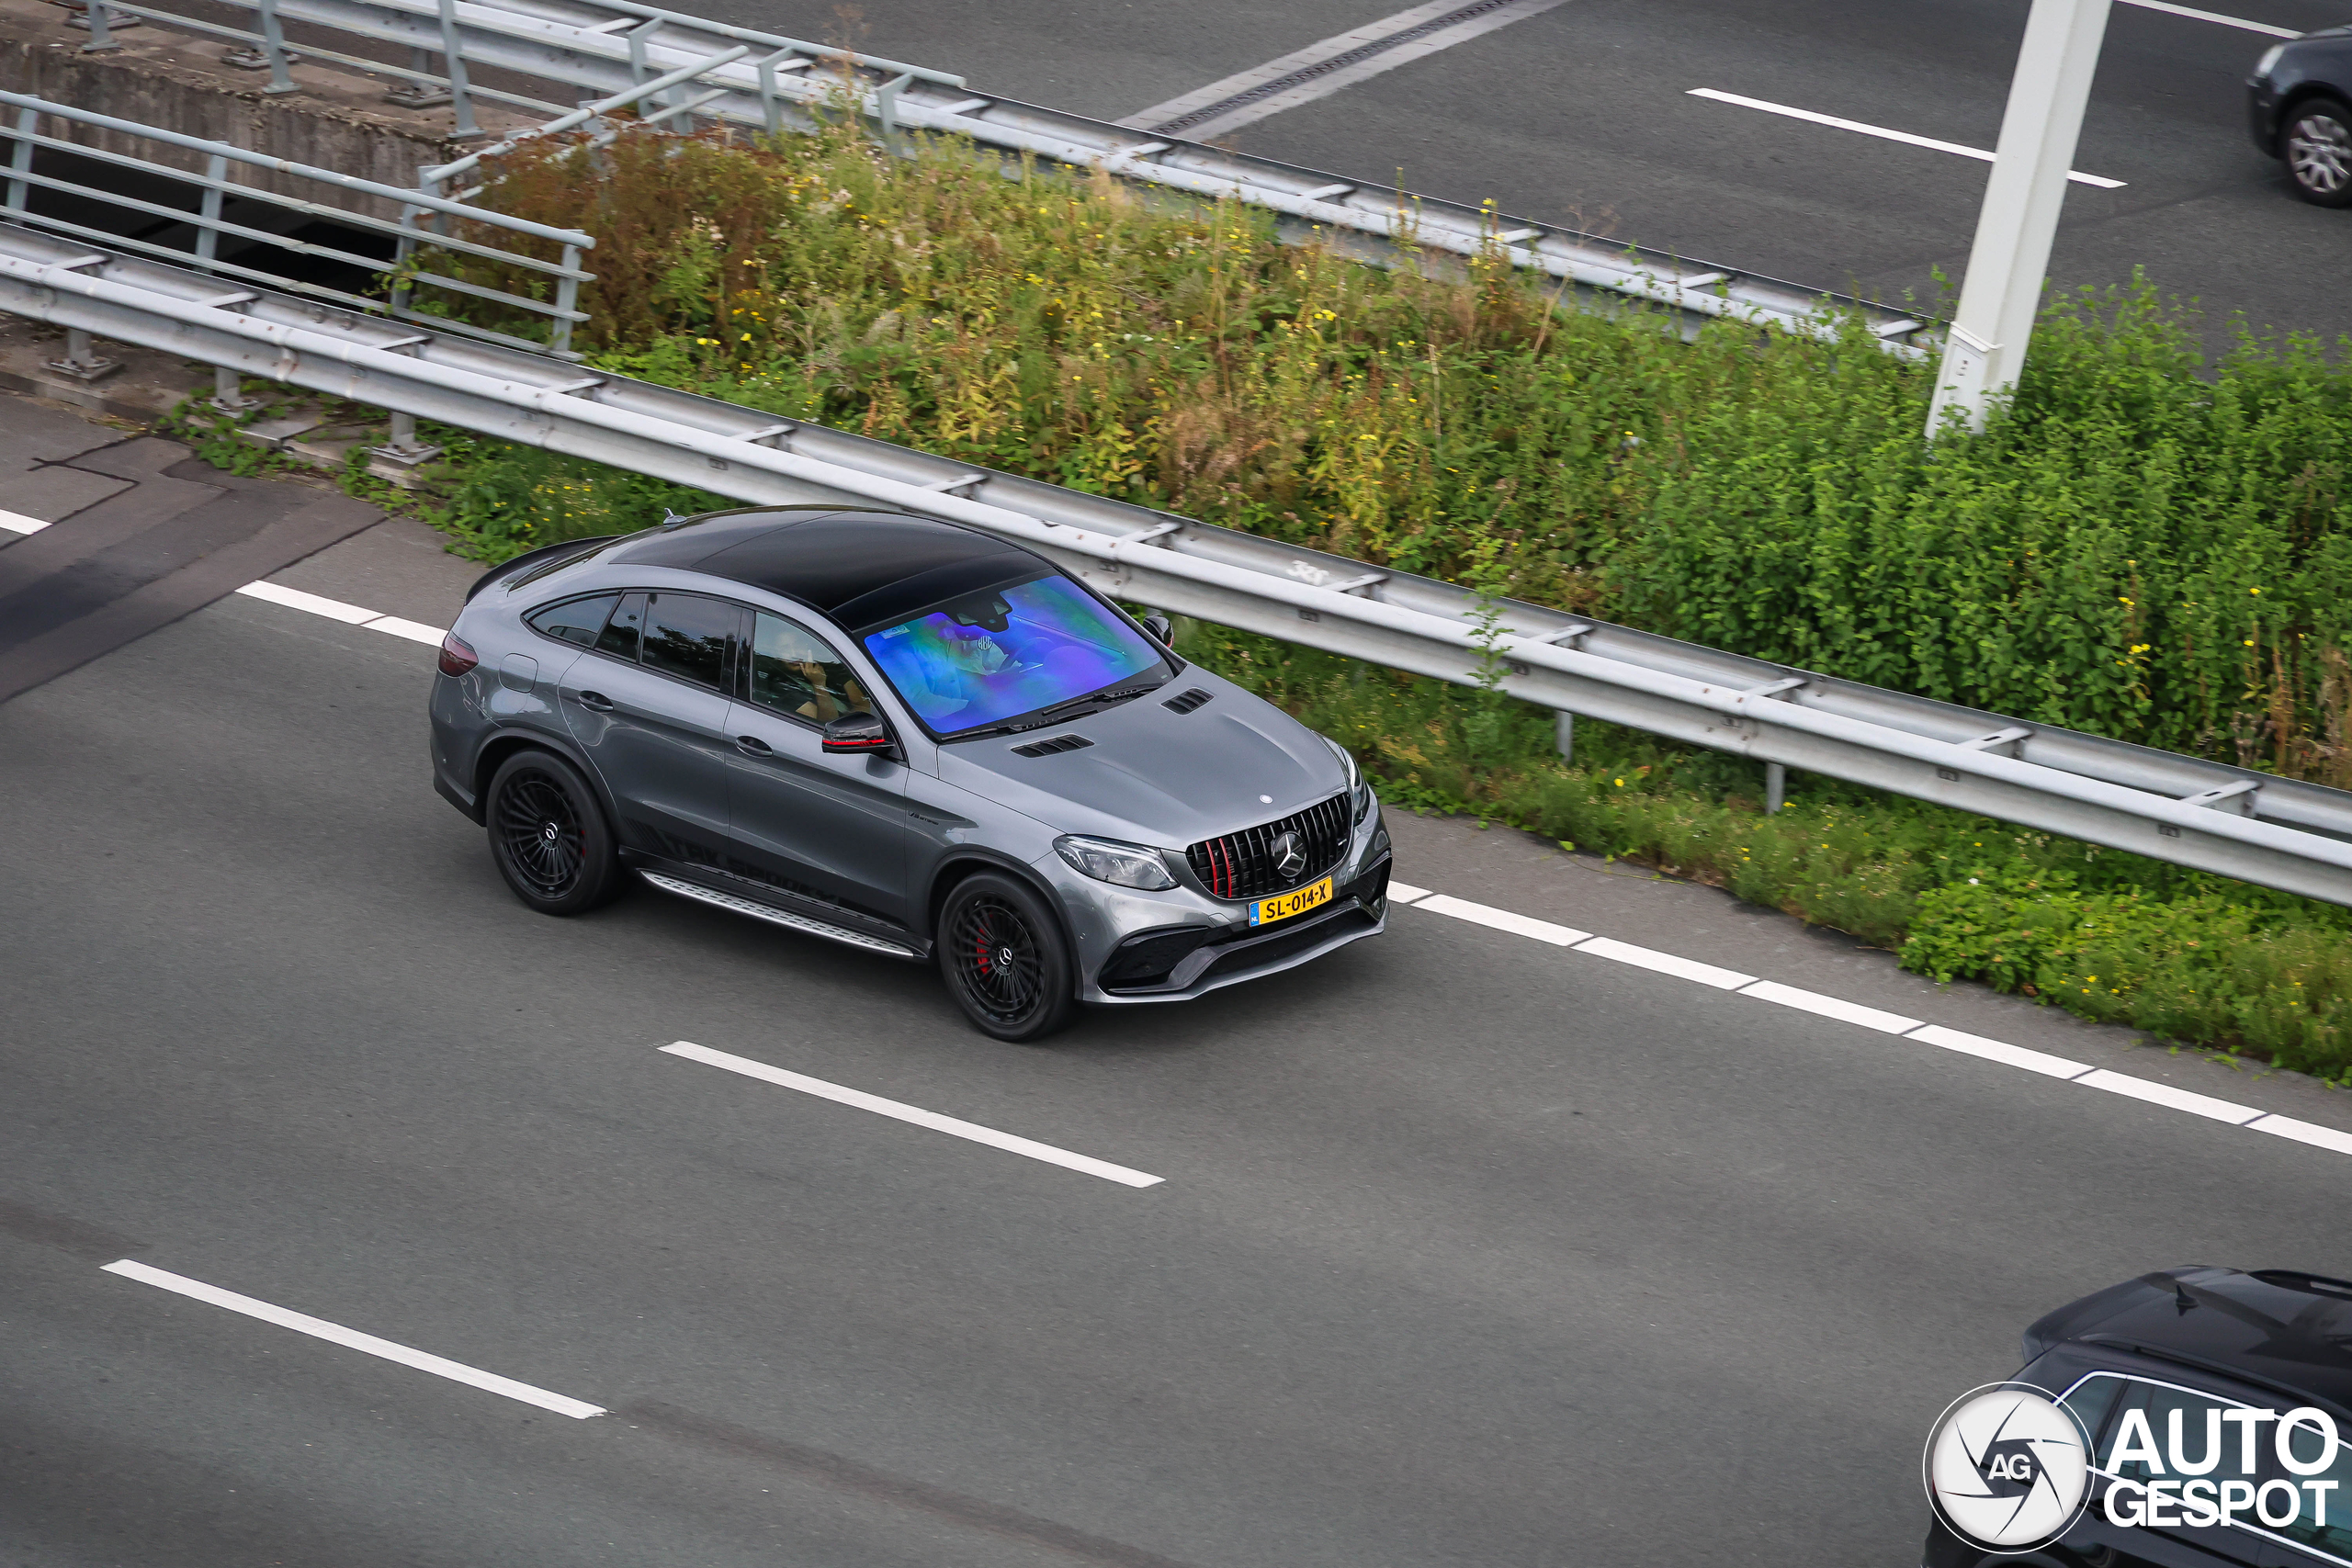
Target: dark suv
2299 101
2181 1378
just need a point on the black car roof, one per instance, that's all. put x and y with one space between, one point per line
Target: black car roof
2275 1326
862 568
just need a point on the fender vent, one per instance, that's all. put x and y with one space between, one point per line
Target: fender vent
1188 702
1047 747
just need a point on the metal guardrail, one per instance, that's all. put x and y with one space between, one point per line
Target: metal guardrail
601 47
2278 832
209 224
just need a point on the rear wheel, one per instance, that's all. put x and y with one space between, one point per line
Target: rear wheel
549 835
1003 955
2318 150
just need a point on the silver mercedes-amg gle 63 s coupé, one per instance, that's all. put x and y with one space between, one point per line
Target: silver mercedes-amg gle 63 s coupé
907 736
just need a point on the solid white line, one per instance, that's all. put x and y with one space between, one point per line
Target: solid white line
2165 1094
1405 893
2215 17
2303 1132
1886 1023
921 1118
1830 1007
1665 963
294 599
319 1328
1503 920
17 522
1999 1050
1879 131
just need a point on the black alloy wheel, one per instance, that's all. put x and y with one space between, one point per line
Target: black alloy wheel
1004 960
549 835
2318 150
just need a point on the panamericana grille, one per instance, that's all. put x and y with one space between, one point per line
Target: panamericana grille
1242 865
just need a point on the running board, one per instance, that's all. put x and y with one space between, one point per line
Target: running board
775 916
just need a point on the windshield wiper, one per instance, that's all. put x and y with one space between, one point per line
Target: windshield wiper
1100 699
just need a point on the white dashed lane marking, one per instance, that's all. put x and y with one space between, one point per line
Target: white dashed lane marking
899 1110
351 1338
1881 133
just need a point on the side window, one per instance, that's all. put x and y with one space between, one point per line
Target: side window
620 634
2092 1400
689 636
794 672
575 620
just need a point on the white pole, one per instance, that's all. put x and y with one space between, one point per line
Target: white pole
2002 292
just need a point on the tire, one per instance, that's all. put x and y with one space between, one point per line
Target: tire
549 835
2317 145
1004 956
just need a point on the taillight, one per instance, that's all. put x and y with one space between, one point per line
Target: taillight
456 655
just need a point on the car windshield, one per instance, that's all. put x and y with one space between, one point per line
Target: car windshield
1010 651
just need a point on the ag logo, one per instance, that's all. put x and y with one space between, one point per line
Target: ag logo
2007 1468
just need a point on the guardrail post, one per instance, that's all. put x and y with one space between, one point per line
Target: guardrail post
1564 735
885 107
20 161
96 18
418 95
401 456
229 392
453 58
567 297
770 109
208 214
1776 786
83 361
273 56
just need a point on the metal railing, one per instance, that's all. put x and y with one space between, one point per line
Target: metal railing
209 225
596 48
2280 833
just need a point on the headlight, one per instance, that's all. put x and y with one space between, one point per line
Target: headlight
1107 859
2270 58
1359 788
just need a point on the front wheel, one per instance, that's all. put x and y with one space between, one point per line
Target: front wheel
1002 955
549 835
2318 148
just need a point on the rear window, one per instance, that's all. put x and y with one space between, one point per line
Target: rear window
575 620
690 636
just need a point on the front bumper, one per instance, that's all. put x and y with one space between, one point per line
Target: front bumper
2262 114
1173 945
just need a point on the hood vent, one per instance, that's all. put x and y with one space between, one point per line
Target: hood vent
1188 702
1047 747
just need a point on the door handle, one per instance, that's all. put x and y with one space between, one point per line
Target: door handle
595 702
752 746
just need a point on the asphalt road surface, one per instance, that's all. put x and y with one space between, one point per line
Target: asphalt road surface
1467 1249
1582 115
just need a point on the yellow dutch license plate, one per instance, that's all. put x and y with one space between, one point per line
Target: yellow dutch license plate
1282 906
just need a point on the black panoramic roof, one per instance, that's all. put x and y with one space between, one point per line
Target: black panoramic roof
2277 1326
860 568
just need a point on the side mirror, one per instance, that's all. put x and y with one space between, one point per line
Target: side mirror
1162 629
860 732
